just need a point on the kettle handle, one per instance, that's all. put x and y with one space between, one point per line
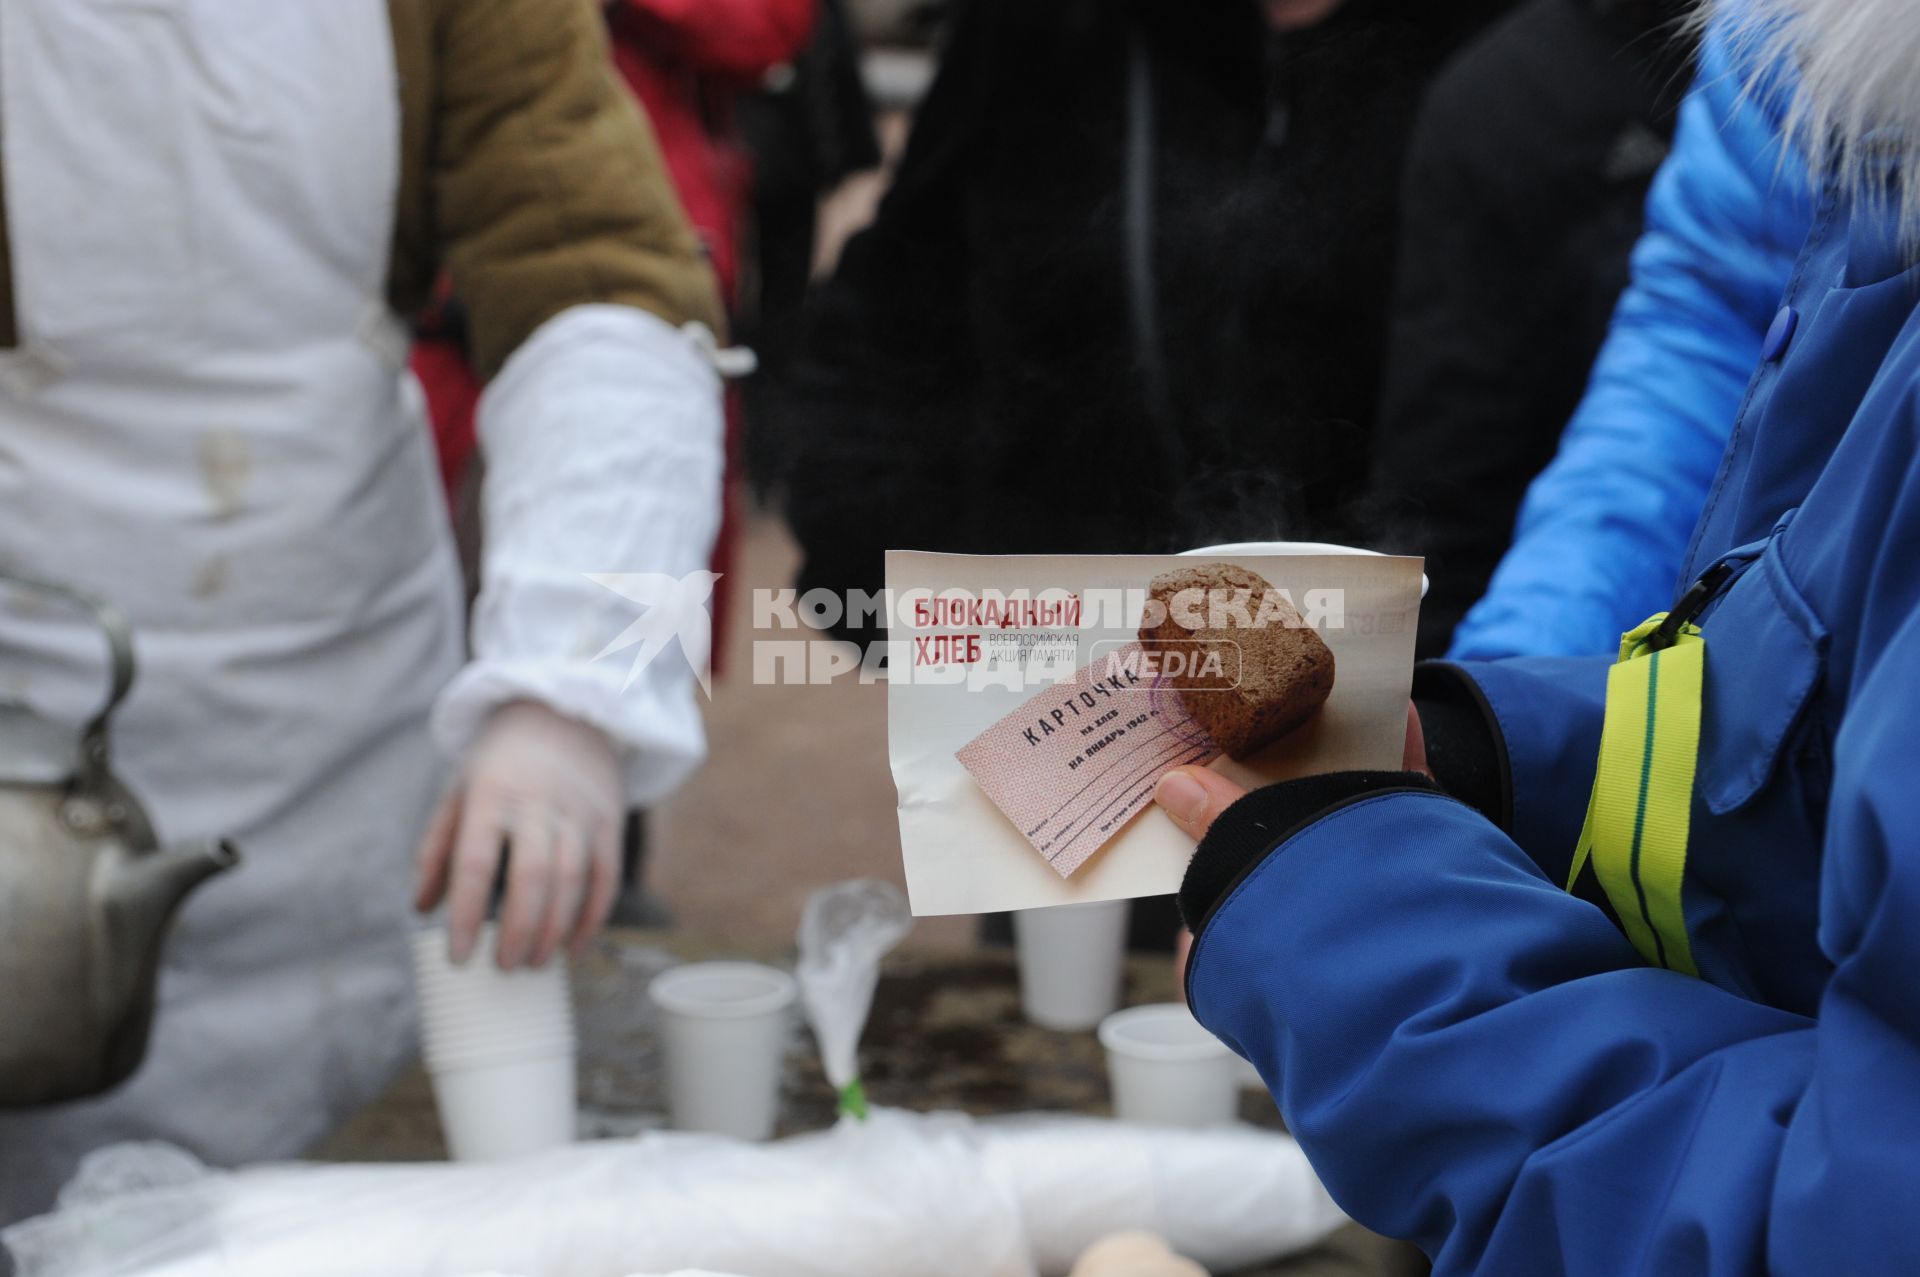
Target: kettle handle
113 624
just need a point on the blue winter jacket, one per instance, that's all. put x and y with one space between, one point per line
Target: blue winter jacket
1603 528
1481 1062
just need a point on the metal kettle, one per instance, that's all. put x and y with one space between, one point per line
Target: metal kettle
86 894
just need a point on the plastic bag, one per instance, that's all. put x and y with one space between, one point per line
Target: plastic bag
845 931
900 1195
897 1196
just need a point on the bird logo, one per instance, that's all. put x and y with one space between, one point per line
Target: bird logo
675 608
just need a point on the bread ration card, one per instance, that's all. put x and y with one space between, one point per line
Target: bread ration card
1034 702
1077 762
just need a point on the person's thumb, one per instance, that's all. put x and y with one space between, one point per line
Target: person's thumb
1194 797
1414 757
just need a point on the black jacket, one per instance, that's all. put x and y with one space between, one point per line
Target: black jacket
1128 292
1525 184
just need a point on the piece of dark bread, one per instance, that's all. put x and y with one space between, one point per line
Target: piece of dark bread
1269 679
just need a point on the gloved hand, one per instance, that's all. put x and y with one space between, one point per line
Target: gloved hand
545 791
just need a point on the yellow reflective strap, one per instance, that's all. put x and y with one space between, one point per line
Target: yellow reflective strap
1642 804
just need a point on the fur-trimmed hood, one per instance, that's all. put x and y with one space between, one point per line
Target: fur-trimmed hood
1853 105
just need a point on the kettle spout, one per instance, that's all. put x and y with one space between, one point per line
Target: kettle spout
138 892
161 879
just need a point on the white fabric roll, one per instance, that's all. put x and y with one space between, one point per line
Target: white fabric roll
933 1196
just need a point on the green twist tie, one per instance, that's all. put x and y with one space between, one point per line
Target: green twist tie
853 1100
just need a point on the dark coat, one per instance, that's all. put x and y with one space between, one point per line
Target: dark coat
1526 181
990 370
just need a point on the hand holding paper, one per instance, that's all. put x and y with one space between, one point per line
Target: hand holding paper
1035 702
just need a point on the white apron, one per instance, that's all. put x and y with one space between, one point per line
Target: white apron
206 424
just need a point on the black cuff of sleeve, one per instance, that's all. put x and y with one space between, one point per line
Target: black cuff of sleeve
1245 832
1465 748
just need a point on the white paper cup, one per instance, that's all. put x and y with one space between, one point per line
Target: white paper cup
1253 548
1164 1068
499 1048
723 1033
1072 961
505 1109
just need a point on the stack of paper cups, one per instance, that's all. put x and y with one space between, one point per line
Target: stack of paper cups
1072 961
499 1046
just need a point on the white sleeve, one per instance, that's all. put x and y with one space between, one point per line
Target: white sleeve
603 440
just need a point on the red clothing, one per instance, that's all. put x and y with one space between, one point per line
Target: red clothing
684 59
453 392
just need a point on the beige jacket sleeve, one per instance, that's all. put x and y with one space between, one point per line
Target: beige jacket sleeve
529 173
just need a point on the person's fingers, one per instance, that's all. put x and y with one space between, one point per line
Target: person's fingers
476 860
529 884
1194 796
1182 951
433 863
603 882
567 889
1414 757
